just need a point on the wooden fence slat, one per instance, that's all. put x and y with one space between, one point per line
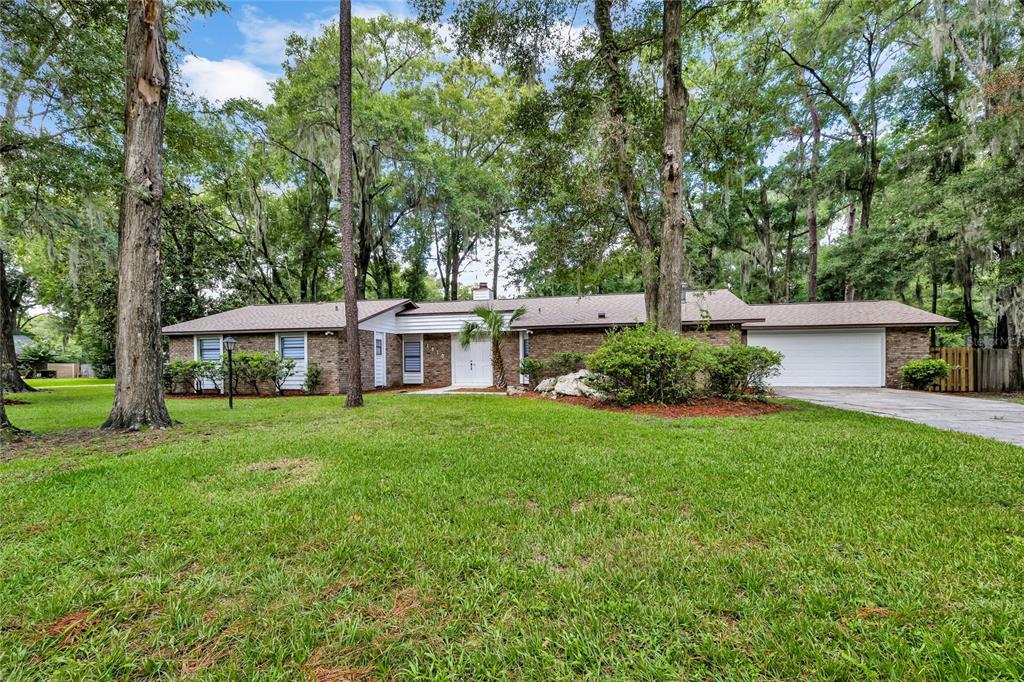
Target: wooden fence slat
978 369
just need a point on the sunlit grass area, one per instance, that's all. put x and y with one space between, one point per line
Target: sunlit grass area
43 383
480 537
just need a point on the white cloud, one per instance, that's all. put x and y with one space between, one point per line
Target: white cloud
265 36
219 80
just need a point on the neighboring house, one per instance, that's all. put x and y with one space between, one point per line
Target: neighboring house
862 343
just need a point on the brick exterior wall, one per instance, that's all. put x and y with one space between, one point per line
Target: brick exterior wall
437 359
718 336
181 347
324 351
903 344
510 355
394 359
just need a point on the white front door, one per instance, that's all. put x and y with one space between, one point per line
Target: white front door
848 357
471 366
380 360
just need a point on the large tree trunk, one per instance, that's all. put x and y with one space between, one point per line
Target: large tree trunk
7 358
812 199
9 375
674 214
138 389
354 394
618 150
851 219
497 253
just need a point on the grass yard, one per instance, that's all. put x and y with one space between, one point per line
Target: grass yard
47 383
479 537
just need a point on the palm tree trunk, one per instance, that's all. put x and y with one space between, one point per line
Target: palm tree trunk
354 393
499 364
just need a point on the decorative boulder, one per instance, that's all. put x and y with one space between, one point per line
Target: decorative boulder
547 385
574 384
513 389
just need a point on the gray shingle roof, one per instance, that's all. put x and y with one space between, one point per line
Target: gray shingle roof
280 317
844 314
599 310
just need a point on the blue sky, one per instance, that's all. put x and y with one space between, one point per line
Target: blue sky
235 53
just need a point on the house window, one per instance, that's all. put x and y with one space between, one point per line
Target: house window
412 356
292 347
526 344
209 348
378 346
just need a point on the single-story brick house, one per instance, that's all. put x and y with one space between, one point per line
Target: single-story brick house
862 343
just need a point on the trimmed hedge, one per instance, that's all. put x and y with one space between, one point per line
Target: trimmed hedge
646 364
920 374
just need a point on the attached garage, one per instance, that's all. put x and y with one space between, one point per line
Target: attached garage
826 357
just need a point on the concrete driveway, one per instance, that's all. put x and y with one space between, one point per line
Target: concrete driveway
990 418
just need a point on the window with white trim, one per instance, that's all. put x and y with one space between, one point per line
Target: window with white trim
378 346
292 347
209 348
412 360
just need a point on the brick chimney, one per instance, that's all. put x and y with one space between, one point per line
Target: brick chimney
482 292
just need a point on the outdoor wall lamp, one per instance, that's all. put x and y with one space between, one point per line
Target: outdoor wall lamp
229 346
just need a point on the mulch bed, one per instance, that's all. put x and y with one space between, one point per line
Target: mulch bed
704 407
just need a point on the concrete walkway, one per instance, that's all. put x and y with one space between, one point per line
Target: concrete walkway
996 419
454 390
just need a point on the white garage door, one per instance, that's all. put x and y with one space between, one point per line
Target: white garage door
850 357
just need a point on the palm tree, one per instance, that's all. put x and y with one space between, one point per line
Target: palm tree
492 325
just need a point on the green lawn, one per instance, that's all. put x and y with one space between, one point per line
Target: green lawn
428 537
45 383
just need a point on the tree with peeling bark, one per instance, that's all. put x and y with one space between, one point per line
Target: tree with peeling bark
138 389
354 392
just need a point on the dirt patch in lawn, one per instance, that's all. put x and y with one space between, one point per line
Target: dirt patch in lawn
295 471
704 407
88 441
70 627
12 401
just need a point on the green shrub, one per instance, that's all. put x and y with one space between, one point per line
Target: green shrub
533 369
648 365
212 371
738 369
565 362
181 376
314 378
251 369
280 370
920 374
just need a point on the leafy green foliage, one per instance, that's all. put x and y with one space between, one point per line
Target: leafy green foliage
533 369
738 370
565 362
645 364
920 374
314 378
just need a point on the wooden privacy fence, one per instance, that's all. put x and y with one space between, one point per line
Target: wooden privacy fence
963 375
978 369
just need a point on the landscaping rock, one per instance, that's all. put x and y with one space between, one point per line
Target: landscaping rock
547 385
515 390
573 384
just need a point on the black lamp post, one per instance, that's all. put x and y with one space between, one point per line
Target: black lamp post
229 346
